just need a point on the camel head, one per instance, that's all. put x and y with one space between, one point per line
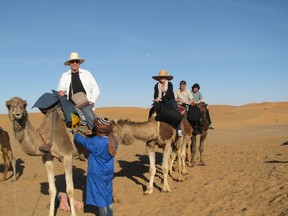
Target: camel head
203 107
16 108
123 135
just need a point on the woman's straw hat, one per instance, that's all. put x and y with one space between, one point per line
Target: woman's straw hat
74 56
163 74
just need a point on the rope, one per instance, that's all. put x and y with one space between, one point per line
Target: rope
33 213
14 175
53 126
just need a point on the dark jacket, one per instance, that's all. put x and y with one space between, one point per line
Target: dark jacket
169 94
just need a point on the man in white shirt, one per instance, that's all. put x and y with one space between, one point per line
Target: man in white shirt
78 80
183 96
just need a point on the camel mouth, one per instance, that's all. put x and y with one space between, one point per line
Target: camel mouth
17 115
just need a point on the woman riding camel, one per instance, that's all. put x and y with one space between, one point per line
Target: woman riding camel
163 93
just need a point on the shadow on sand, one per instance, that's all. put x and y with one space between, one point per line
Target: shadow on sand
136 169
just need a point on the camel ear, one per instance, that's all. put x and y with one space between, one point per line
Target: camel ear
8 104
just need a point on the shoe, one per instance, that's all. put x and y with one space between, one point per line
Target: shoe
210 127
179 133
45 148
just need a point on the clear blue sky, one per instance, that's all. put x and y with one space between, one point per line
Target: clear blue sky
237 50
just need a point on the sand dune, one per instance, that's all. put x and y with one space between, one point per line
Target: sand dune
246 170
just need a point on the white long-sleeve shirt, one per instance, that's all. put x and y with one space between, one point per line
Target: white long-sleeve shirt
89 83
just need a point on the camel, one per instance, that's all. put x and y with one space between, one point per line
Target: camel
154 133
203 135
52 130
7 154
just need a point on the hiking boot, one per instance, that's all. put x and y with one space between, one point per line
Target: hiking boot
179 133
45 148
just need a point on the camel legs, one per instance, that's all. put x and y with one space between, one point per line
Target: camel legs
166 154
186 142
7 158
181 151
193 149
67 161
13 163
152 171
152 168
171 161
6 164
68 165
179 161
52 187
189 151
201 148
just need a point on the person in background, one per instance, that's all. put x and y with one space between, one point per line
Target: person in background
183 96
197 97
102 149
163 93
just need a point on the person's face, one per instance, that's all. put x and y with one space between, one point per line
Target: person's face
162 80
182 87
74 65
195 89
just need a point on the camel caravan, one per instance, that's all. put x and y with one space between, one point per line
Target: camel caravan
53 130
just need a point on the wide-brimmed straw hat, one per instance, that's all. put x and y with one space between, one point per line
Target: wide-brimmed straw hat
163 74
74 56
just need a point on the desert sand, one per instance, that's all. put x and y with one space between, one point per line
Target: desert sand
246 170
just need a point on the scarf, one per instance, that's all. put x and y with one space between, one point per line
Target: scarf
162 88
104 128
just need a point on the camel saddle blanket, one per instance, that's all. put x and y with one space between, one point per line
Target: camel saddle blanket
50 100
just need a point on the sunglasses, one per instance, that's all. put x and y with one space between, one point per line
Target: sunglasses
72 61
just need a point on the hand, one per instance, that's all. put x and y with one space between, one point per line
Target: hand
61 93
192 103
88 132
75 130
158 99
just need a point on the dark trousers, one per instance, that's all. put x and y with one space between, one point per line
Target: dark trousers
172 104
208 116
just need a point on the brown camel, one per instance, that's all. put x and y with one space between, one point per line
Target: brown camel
52 130
203 135
7 154
154 133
